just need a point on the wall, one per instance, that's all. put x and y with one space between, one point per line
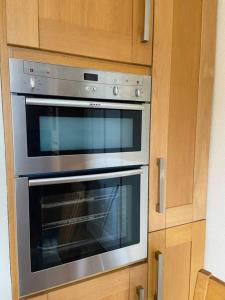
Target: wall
215 233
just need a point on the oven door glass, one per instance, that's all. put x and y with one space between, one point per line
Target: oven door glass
74 219
58 130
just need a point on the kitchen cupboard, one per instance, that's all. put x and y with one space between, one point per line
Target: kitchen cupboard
22 22
182 78
118 285
111 30
175 257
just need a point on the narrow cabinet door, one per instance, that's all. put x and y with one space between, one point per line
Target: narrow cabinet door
92 28
143 14
176 64
22 22
175 257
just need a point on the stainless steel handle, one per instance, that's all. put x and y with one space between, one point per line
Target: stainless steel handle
159 278
141 293
161 179
71 179
146 33
79 103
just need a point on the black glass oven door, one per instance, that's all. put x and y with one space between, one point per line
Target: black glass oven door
77 217
83 129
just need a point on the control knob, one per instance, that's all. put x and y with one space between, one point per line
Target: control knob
138 93
32 83
115 90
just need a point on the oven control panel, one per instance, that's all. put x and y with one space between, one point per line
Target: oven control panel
29 77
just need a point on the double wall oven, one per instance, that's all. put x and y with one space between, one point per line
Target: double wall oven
81 148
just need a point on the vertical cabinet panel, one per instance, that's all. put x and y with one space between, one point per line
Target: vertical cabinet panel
100 29
22 22
182 257
205 92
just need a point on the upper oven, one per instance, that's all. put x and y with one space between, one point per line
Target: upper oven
68 119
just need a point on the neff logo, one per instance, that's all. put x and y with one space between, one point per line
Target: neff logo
95 104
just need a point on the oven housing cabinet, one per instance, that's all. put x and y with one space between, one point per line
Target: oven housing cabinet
31 282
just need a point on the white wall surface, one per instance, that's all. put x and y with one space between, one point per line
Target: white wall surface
5 280
215 232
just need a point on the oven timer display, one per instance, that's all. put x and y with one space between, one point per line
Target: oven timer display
90 77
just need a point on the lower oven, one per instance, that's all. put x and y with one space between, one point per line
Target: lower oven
75 226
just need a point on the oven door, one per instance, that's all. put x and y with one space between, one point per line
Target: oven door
72 227
52 135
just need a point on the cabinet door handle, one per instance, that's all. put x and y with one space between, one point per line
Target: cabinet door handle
146 33
159 276
141 293
161 179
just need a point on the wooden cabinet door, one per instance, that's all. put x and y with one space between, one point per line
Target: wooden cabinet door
92 28
142 50
139 281
179 135
175 257
104 29
113 286
22 22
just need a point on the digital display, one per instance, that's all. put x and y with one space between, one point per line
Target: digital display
90 77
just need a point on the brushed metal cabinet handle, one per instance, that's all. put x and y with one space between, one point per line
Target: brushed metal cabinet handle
146 33
141 293
159 280
161 179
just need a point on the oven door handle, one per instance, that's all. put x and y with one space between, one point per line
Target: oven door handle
93 177
84 103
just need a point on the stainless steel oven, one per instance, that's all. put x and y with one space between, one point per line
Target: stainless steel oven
74 119
73 226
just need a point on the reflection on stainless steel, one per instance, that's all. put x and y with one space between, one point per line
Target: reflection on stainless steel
74 200
73 221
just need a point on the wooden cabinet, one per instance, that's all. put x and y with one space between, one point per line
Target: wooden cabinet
119 285
181 251
103 29
22 22
179 136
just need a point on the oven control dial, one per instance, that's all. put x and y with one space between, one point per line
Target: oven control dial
32 83
115 90
138 93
